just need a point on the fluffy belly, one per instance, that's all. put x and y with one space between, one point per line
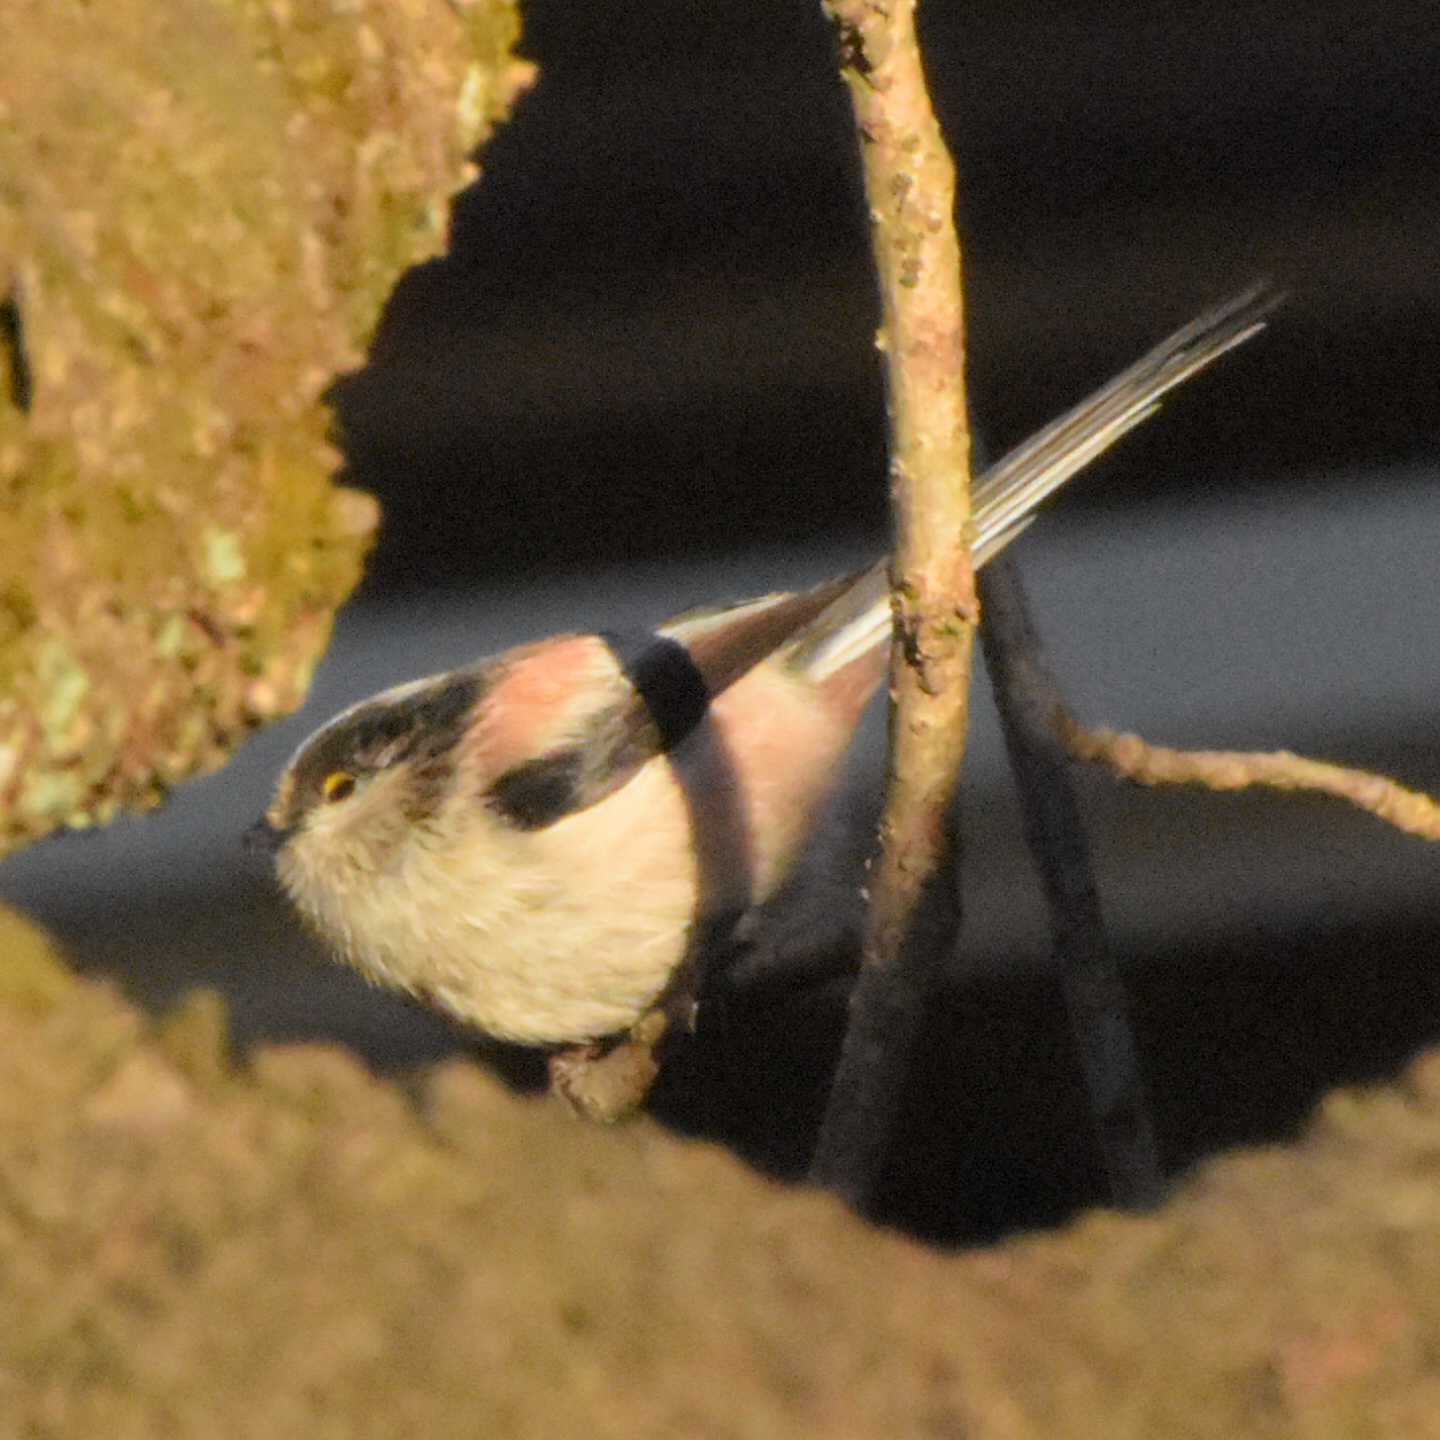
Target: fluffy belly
545 980
573 937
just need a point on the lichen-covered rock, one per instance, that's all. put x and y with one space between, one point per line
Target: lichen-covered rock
203 205
298 1249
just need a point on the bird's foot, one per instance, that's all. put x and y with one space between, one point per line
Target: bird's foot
606 1081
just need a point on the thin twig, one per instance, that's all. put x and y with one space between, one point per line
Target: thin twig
1028 699
1135 759
909 184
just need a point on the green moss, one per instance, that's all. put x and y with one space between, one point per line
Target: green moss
65 685
195 1036
224 558
48 797
170 639
34 976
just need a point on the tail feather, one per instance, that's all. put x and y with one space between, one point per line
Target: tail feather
1010 489
1008 492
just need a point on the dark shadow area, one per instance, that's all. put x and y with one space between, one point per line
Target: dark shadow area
1238 1043
653 331
19 380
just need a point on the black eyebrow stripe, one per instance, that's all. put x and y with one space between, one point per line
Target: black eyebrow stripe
424 726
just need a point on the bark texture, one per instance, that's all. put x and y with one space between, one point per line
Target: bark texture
910 188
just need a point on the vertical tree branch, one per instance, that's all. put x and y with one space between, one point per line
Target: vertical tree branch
1029 701
909 184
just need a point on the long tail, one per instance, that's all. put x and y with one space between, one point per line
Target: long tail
1007 494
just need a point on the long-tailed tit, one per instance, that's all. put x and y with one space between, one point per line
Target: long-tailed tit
535 843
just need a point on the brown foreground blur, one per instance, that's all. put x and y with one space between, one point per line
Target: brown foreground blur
296 1248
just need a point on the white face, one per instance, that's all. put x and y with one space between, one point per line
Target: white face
344 865
357 789
354 829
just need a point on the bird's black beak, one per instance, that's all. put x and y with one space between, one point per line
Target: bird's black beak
265 837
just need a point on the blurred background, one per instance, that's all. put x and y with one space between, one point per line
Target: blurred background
645 377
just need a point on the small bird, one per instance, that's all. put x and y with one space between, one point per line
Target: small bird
540 843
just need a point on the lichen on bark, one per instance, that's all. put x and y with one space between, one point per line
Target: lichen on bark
203 206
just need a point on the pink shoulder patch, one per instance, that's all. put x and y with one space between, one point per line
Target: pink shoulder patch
540 693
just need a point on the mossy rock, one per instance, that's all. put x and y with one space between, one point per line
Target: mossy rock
203 206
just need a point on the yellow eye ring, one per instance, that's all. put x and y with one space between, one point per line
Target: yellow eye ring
337 785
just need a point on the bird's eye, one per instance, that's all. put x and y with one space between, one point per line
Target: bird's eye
338 784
